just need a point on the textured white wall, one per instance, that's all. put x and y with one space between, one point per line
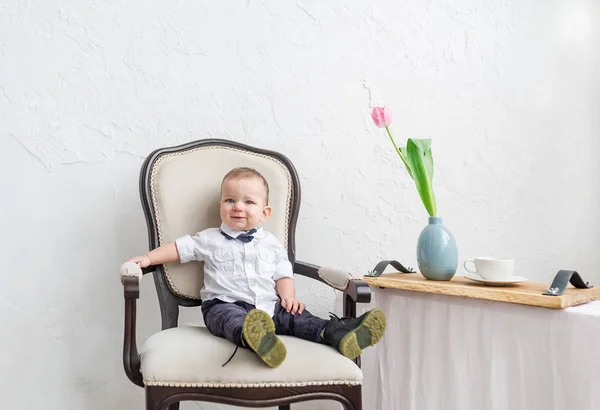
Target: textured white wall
508 91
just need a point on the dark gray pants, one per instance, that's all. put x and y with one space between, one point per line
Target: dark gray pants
225 319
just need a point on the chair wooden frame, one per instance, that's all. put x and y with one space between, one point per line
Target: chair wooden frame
168 398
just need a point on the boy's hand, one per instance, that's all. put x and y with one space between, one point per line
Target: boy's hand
293 305
143 260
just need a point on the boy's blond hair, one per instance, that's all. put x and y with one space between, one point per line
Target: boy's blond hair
246 172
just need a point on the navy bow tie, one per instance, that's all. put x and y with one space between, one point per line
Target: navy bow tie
244 237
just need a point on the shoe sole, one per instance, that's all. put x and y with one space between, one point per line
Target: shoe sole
368 333
259 334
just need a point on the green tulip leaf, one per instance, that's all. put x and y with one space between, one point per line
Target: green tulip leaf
420 165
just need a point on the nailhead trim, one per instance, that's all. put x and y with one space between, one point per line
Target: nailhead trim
253 385
154 204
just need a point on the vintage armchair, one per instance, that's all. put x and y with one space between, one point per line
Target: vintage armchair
179 190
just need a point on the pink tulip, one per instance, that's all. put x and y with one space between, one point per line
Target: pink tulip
382 116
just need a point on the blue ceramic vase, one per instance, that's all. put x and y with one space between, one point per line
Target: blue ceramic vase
437 255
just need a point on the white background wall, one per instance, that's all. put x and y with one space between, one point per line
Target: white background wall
509 91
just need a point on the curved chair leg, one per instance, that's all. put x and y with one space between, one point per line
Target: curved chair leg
355 397
154 399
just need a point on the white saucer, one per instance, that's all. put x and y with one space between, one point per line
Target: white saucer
496 282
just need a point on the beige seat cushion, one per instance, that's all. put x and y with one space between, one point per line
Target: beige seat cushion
191 357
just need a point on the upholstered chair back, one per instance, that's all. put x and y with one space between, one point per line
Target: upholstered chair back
180 189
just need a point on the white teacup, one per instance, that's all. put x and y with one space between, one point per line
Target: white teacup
489 267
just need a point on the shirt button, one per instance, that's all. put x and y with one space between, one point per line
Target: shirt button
252 283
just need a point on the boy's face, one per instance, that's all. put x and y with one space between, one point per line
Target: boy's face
243 203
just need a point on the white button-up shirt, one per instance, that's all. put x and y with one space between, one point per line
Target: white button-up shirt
234 270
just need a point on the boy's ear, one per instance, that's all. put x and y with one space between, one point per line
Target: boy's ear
266 213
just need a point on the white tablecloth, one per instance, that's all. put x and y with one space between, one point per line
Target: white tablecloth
450 353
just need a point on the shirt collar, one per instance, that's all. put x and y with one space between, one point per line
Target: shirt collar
234 234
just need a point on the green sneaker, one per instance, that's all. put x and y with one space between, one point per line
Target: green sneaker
258 331
351 335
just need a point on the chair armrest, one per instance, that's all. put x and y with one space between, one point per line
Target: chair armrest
354 287
335 277
131 357
132 269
